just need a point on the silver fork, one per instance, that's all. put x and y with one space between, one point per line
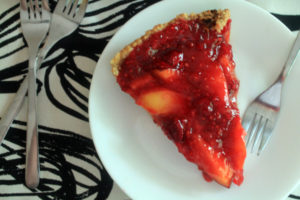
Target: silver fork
65 19
35 21
261 115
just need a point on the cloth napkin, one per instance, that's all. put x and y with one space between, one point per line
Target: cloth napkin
70 166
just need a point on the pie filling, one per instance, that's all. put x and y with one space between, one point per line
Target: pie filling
184 77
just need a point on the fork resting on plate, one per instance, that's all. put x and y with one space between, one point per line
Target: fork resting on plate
261 115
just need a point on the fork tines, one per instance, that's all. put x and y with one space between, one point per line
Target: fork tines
34 8
258 130
69 8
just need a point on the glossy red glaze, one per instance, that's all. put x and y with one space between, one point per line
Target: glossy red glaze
188 59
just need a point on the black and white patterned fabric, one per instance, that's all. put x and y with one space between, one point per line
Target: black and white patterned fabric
70 167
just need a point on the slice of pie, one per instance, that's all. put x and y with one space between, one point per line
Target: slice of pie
182 73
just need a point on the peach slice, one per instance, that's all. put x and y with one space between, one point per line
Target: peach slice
160 101
166 74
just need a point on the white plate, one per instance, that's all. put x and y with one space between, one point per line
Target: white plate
140 158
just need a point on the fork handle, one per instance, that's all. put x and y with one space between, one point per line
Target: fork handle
13 109
291 59
32 144
16 104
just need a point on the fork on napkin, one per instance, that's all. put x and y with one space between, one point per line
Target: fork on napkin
65 19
